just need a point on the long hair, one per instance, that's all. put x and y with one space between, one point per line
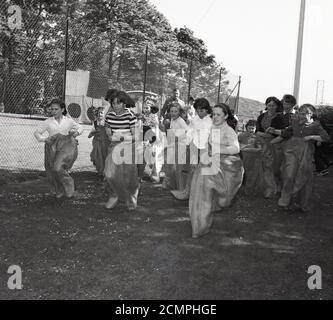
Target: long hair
231 120
111 94
122 97
61 104
202 103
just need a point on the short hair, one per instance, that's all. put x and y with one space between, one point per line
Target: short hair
61 104
312 108
288 98
252 123
279 105
202 103
191 99
175 89
176 105
111 94
124 98
99 109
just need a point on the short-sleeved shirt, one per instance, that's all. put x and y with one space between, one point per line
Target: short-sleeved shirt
199 131
122 123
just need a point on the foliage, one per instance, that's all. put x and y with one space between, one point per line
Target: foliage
108 37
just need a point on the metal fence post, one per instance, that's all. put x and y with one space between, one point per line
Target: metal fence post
66 55
145 77
219 90
190 79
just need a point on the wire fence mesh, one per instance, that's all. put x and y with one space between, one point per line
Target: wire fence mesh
50 50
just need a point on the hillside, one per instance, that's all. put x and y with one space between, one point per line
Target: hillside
248 108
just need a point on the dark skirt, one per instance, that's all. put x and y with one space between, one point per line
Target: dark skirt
100 150
253 172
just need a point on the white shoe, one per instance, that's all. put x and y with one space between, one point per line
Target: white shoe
282 203
155 179
112 202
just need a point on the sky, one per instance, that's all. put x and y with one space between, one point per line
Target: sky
257 39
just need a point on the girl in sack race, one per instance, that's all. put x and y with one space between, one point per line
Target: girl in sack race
60 148
301 138
217 179
125 154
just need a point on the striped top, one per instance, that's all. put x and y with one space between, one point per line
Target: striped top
122 123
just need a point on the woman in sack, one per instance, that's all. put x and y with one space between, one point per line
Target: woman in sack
60 148
217 179
121 169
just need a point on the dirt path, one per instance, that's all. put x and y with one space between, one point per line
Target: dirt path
79 250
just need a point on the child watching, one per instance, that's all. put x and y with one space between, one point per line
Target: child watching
100 142
149 123
247 140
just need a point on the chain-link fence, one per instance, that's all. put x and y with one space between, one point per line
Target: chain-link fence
77 50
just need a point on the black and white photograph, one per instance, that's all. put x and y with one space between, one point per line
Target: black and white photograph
176 151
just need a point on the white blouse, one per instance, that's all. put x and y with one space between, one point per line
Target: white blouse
224 140
178 124
53 127
199 131
178 128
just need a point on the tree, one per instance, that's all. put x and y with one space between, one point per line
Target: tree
107 37
205 69
19 53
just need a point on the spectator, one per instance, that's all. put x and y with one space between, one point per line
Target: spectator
165 112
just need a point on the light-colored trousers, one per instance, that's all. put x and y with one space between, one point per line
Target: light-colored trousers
60 156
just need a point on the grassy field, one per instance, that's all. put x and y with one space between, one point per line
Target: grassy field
76 249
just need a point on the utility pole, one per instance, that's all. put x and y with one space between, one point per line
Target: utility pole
320 92
238 93
299 51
